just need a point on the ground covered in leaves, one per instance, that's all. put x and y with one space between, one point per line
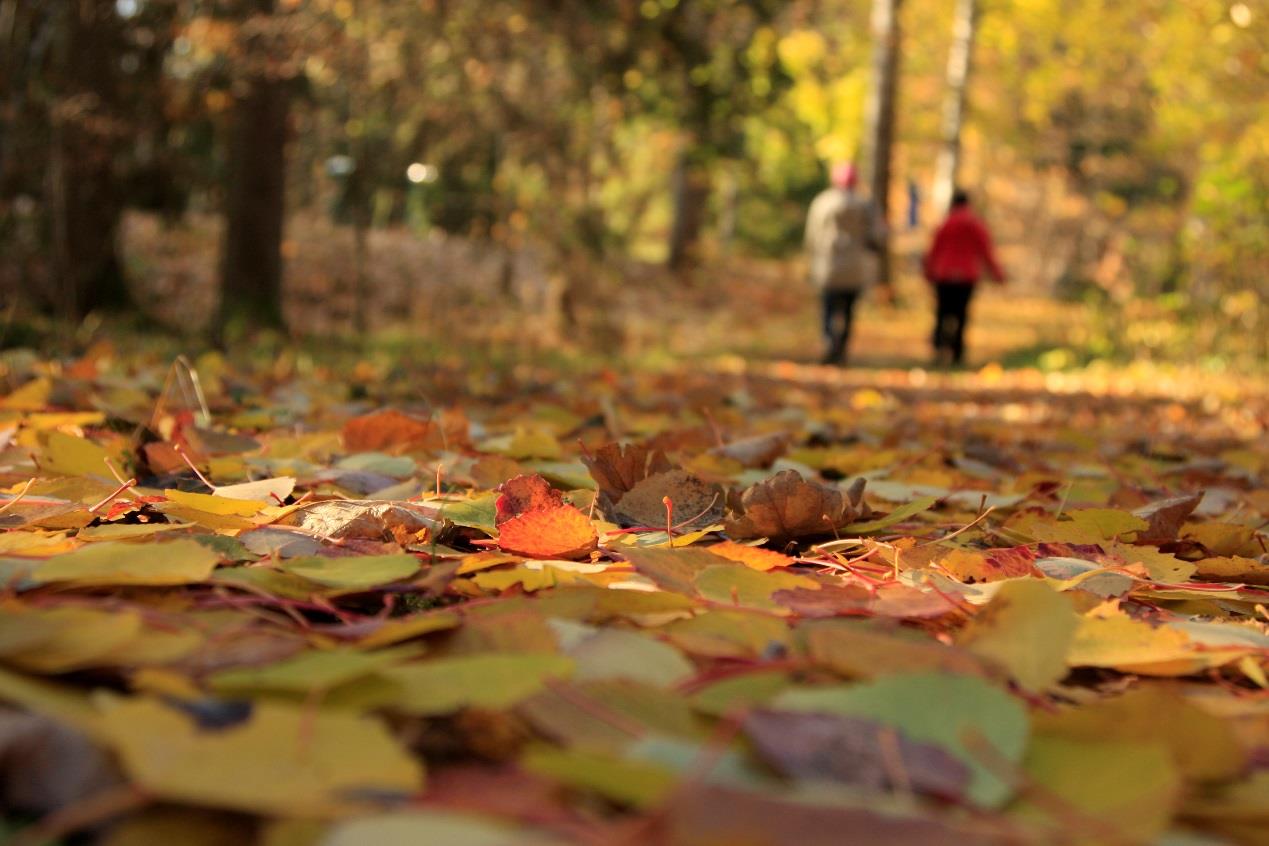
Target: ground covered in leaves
716 605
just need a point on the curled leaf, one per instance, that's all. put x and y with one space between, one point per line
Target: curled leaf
787 506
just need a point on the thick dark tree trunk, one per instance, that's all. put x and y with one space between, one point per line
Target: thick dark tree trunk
255 197
83 191
690 193
880 120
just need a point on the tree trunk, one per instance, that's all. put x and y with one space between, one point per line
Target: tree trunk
691 192
255 197
959 62
83 192
880 118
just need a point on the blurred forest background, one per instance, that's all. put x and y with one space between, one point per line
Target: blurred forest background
633 173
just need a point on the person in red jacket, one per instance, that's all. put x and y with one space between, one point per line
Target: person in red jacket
955 262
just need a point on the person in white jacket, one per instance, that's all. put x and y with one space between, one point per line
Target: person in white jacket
844 233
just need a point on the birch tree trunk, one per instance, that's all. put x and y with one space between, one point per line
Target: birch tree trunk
880 117
959 62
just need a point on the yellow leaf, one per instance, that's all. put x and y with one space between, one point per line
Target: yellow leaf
219 505
312 670
1026 628
1161 566
1234 568
35 543
1124 792
206 519
406 628
282 759
59 640
176 562
68 455
32 396
1132 646
63 703
446 685
127 531
56 420
1203 746
355 572
1224 539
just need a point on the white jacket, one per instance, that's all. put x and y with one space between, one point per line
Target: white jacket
842 229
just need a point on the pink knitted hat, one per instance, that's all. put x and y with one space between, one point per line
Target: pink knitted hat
844 175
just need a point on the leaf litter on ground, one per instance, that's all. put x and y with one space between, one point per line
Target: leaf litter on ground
780 605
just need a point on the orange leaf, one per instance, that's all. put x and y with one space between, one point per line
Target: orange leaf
387 430
990 565
558 532
751 556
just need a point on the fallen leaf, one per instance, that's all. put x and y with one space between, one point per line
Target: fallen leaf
1203 746
754 557
1026 629
445 685
937 708
524 493
1165 518
218 505
282 759
46 766
559 532
366 519
831 747
694 502
262 490
788 506
1234 568
389 429
1117 792
617 468
412 828
353 573
859 650
756 451
174 562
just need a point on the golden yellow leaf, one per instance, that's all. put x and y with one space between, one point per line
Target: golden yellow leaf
282 759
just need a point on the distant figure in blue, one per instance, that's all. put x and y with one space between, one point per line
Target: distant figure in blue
844 232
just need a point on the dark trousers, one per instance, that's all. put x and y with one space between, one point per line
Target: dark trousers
839 310
950 319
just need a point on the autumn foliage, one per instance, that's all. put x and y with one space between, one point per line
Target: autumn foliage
962 612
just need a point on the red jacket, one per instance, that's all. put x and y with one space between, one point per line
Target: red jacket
961 247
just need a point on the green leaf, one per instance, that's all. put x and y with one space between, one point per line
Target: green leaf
354 572
900 514
475 513
636 783
307 671
173 563
736 584
446 685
